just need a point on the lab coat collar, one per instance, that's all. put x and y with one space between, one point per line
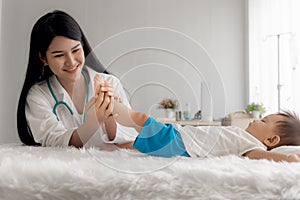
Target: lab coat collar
62 94
59 91
91 74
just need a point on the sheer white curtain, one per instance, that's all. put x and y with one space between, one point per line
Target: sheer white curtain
271 21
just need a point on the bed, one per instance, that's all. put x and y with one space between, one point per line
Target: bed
70 173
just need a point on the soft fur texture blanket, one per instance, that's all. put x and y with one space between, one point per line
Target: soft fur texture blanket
69 173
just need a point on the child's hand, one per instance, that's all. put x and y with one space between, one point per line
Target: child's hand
293 158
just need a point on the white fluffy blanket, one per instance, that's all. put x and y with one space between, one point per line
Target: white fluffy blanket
69 173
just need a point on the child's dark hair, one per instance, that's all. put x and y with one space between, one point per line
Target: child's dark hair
288 129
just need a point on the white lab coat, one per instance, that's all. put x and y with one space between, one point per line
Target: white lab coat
43 123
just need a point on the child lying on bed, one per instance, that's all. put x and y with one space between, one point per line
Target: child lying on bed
159 139
255 142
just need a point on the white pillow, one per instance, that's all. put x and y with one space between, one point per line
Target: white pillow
287 149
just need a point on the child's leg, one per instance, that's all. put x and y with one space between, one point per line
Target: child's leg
128 145
128 117
154 137
159 139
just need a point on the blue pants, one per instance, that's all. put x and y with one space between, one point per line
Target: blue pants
158 139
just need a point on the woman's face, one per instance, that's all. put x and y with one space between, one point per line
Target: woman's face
65 58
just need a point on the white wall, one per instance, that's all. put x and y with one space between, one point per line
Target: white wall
178 44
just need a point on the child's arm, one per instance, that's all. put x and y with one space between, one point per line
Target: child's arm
269 155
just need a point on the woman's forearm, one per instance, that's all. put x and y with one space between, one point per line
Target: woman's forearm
75 140
111 128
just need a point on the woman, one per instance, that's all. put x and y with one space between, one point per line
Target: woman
56 105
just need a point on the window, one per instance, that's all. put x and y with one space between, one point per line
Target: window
274 29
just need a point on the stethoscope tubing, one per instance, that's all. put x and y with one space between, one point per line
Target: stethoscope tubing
57 102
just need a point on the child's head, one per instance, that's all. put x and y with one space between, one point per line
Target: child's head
277 129
288 129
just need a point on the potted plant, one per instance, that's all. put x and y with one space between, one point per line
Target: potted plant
255 109
169 105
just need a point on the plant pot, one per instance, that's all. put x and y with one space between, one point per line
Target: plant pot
256 114
169 113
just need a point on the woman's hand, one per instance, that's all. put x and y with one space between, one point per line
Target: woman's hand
103 95
104 106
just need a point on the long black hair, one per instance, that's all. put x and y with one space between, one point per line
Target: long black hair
52 24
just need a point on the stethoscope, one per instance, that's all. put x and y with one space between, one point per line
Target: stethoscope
57 102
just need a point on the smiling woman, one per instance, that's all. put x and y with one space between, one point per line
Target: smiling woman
57 106
65 58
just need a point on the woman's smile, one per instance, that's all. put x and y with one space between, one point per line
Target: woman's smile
72 70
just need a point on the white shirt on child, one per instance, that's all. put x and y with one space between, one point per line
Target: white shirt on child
211 141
